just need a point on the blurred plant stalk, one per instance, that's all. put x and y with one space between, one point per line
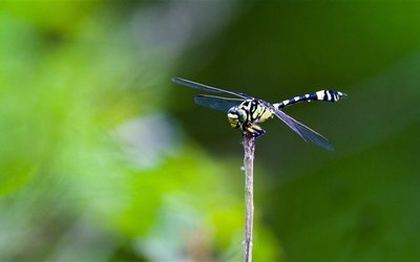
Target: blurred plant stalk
249 149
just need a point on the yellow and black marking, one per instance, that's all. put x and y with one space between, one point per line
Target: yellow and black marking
247 115
322 95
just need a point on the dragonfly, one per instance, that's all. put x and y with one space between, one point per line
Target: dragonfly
246 112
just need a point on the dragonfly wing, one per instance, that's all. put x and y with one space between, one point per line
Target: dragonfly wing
303 131
210 89
217 102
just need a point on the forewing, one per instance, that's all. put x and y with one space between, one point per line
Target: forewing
210 89
217 102
303 131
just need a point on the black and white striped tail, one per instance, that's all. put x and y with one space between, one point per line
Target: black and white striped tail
322 95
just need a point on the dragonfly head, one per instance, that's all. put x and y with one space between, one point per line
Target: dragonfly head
236 116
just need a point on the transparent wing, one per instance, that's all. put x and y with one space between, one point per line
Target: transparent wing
303 131
210 89
217 102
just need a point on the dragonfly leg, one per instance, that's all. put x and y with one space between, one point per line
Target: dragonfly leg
255 130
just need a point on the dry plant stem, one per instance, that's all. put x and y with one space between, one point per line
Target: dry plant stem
249 148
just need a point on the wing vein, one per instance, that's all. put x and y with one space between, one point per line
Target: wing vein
211 89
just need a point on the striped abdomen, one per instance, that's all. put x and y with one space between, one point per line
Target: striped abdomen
322 95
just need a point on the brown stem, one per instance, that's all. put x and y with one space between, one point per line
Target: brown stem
249 149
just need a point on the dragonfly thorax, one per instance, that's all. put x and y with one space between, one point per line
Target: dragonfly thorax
247 115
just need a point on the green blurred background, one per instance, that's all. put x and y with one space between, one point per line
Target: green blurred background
102 158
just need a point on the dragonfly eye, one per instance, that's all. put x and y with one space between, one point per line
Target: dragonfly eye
234 117
242 115
237 113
